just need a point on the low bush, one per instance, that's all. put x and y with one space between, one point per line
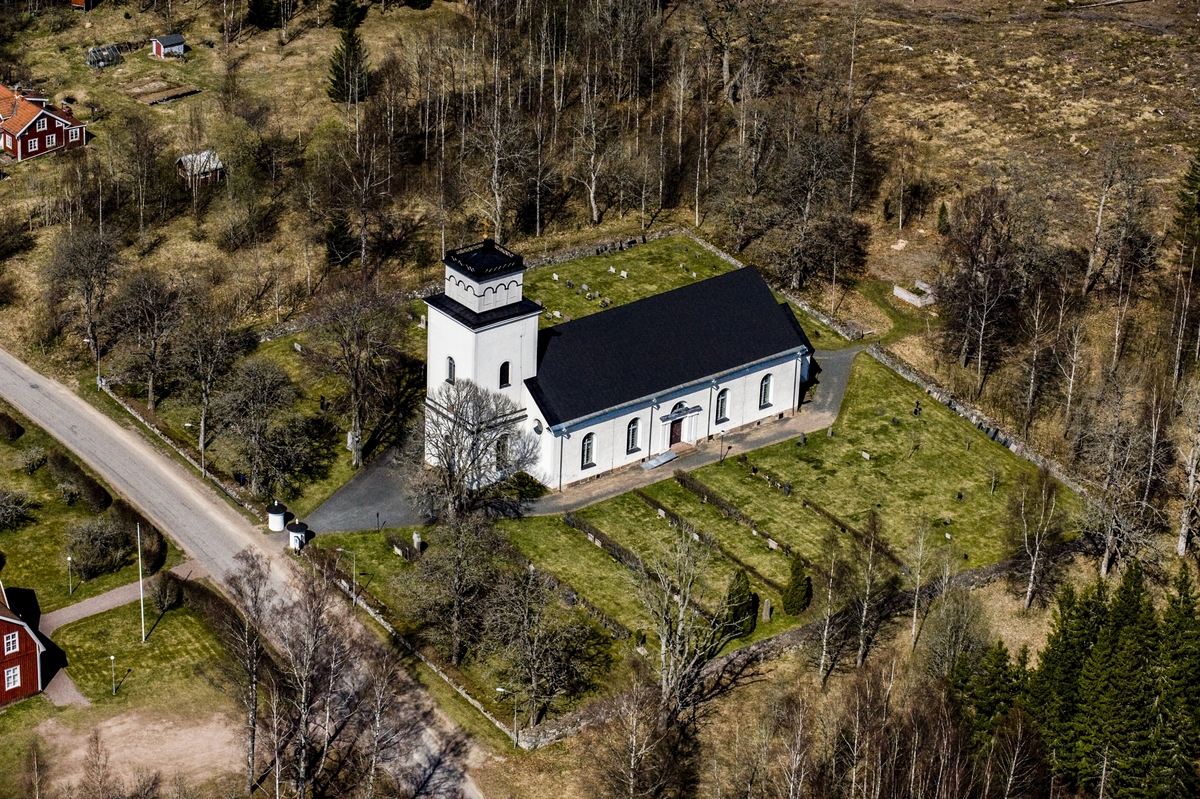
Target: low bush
14 509
98 546
66 471
165 591
31 459
68 493
154 546
10 428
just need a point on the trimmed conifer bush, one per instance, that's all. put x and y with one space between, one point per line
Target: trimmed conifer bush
798 593
741 606
10 428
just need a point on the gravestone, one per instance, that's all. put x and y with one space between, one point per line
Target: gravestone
866 455
662 514
585 287
597 543
570 285
416 542
423 323
693 274
771 544
557 315
829 433
297 347
554 275
766 611
612 270
624 274
803 442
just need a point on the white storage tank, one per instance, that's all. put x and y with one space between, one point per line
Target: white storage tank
276 516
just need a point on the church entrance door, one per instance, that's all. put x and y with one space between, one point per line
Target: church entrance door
676 431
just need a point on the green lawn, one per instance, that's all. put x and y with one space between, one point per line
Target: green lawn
951 457
734 537
378 566
906 319
173 667
554 547
36 550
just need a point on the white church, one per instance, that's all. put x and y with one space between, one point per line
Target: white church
624 385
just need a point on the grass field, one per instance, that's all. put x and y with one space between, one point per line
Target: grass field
36 551
181 654
903 484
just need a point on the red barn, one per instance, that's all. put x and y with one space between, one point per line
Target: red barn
20 656
30 126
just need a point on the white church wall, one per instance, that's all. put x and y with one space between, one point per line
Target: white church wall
483 295
447 339
515 342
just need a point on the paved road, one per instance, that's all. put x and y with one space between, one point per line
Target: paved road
377 489
199 521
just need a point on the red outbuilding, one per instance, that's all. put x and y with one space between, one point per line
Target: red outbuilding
20 656
31 126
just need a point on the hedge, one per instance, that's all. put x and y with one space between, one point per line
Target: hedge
154 546
10 428
67 471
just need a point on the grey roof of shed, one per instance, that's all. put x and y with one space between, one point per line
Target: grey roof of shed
656 344
169 40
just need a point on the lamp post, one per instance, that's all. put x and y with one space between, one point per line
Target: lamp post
70 584
141 589
112 662
515 735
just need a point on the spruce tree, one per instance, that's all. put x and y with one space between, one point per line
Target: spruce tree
263 14
943 223
989 691
741 606
1186 225
1174 745
345 14
348 70
798 592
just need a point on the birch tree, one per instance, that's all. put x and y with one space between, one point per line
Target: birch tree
1189 459
1035 522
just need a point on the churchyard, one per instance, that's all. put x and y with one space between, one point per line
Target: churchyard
756 510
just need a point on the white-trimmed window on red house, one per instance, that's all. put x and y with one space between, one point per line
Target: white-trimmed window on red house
74 134
41 125
52 140
12 678
33 145
12 643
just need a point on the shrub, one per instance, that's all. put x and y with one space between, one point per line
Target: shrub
66 471
31 459
798 593
68 493
98 547
165 591
741 606
154 546
10 428
14 509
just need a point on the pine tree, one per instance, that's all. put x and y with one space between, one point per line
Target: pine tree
798 592
263 14
989 691
943 223
345 14
348 70
1174 743
1186 225
1181 642
741 606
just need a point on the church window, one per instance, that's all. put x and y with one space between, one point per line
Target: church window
504 375
764 392
589 443
632 435
449 370
723 405
502 452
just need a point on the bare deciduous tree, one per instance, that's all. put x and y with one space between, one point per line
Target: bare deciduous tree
1035 522
149 308
83 266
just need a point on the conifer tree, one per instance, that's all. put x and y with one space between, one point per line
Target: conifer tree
348 71
1181 643
943 222
741 606
988 689
798 592
345 14
263 14
1186 225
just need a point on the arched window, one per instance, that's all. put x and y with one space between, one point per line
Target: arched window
449 370
764 392
723 405
502 452
632 435
585 456
504 375
679 406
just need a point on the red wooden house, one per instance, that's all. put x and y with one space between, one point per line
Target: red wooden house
31 126
20 656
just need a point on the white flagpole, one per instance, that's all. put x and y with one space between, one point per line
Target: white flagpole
141 590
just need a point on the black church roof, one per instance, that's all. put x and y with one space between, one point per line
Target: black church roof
485 259
665 341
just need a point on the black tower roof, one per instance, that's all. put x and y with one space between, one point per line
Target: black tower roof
483 260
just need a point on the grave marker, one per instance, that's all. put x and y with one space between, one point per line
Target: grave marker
624 274
554 275
766 611
866 455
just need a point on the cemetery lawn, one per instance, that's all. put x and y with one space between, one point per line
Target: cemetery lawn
179 665
36 550
378 566
902 484
653 268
